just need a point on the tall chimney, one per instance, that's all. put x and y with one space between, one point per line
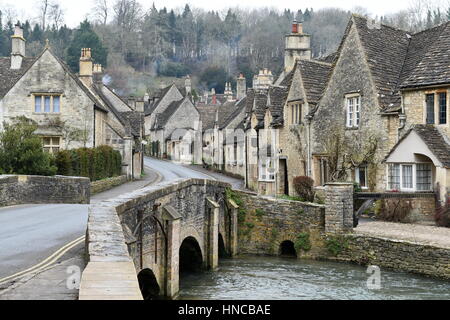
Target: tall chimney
213 95
297 46
86 66
17 48
241 87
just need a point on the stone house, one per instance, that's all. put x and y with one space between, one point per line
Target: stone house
71 110
385 84
176 129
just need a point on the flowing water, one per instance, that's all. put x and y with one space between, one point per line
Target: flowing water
275 278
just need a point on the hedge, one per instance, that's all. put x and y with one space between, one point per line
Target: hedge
95 163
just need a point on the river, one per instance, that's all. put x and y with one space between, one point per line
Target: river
275 278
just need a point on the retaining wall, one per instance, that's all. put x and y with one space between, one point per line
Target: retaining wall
27 189
106 184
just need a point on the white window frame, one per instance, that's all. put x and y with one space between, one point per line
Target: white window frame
414 178
353 111
263 169
366 175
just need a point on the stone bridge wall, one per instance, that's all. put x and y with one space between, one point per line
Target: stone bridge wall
264 223
154 222
25 189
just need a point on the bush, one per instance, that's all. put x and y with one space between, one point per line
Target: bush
394 210
21 150
94 163
304 186
442 215
302 242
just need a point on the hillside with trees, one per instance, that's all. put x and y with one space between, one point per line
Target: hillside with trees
142 50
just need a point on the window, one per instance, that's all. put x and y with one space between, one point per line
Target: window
266 170
353 112
296 113
423 177
442 108
47 104
51 144
394 177
430 108
410 177
407 176
361 176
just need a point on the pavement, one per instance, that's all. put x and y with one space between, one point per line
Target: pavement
420 234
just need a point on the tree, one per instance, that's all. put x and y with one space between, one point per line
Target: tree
214 77
21 151
101 11
85 37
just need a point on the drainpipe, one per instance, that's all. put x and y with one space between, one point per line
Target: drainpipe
308 160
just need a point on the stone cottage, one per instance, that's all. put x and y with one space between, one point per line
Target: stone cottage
70 110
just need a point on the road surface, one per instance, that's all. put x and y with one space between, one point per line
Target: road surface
31 233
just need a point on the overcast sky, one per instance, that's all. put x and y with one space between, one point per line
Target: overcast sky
77 10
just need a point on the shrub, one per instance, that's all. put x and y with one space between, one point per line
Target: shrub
63 162
442 214
21 150
336 244
304 186
394 210
94 163
302 242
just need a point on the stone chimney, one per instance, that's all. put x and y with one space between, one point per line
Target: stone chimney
263 80
228 92
146 97
132 102
241 87
140 105
297 46
213 95
17 47
86 67
187 85
97 72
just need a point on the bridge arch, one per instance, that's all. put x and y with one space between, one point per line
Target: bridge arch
223 253
190 256
148 284
287 249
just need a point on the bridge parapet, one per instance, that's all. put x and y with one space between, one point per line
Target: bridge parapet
146 229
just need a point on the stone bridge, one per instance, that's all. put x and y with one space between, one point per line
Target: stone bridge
141 241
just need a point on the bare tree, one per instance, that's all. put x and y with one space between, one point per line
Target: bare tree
56 14
43 11
101 11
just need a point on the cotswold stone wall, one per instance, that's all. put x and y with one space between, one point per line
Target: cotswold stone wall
396 254
422 207
106 184
19 189
264 223
339 207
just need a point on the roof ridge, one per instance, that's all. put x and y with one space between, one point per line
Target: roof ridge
381 24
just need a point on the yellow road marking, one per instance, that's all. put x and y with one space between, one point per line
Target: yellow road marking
46 262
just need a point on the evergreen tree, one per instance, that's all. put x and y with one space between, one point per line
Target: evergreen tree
85 37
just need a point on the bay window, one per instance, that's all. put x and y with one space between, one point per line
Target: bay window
410 177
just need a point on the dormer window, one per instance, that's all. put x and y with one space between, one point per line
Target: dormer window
353 104
47 103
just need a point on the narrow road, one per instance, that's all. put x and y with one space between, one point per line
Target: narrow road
29 233
171 171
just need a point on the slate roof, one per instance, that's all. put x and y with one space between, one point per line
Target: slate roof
9 77
433 138
207 116
238 108
428 59
315 76
385 49
163 117
160 95
277 99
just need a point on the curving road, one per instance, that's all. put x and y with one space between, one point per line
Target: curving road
30 233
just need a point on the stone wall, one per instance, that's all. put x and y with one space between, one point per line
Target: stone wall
396 254
339 207
21 189
422 207
264 223
106 184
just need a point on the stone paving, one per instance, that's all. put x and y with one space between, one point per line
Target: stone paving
421 234
235 183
